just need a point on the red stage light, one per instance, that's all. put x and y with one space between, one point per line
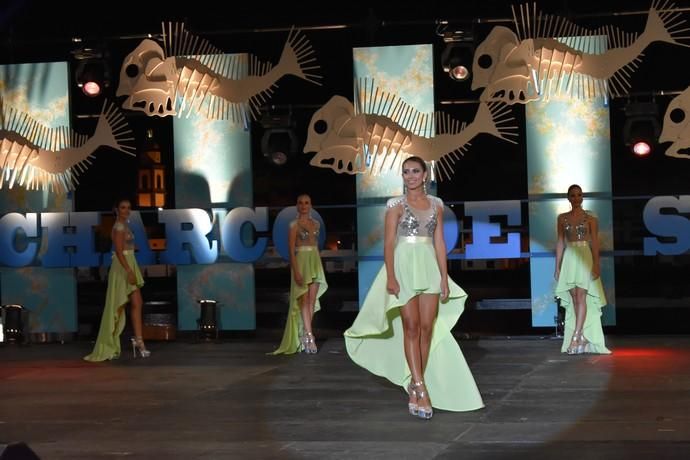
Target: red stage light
641 148
91 88
459 73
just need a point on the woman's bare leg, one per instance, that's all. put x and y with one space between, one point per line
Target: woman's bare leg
308 315
305 311
136 303
313 291
580 299
428 309
411 340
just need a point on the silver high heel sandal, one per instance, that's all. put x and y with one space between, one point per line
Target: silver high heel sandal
582 347
138 345
424 412
412 408
576 347
310 344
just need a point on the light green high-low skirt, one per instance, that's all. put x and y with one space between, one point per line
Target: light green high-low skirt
311 269
113 320
576 271
375 339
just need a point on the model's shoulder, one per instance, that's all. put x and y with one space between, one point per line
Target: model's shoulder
435 200
590 215
395 201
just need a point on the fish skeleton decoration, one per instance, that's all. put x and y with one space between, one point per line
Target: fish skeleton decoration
37 157
380 131
189 75
550 55
677 126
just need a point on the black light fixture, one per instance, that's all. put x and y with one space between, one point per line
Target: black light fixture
641 130
458 54
92 73
12 327
208 319
279 141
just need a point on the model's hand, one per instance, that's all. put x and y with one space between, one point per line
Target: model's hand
557 274
445 291
393 287
298 279
131 279
595 272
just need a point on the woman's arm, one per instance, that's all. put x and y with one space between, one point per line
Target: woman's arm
292 238
441 257
560 246
389 236
119 243
594 244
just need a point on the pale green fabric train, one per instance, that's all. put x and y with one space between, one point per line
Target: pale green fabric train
113 320
311 269
375 339
576 271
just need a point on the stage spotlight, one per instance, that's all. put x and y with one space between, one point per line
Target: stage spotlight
279 145
279 142
641 130
90 77
457 56
91 74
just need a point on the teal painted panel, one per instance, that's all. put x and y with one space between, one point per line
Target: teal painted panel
39 90
213 171
406 71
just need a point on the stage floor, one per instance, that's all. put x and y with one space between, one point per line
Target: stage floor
228 400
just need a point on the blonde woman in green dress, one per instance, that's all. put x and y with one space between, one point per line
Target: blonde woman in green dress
578 283
124 284
403 329
307 281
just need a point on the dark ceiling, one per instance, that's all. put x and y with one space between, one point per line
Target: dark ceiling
32 31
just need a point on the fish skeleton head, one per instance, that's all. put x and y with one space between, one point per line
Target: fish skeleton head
337 135
503 66
149 79
677 126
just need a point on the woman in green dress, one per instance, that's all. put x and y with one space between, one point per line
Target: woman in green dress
403 329
578 283
124 284
307 281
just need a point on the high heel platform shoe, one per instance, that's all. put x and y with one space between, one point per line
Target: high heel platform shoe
310 344
138 345
412 408
424 412
584 343
576 346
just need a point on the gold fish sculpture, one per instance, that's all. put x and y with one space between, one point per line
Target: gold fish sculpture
382 130
36 157
189 75
549 55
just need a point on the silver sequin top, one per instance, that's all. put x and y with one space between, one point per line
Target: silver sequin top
129 236
306 237
417 222
576 231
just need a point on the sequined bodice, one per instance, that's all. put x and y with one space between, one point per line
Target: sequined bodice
129 236
416 222
576 231
305 236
